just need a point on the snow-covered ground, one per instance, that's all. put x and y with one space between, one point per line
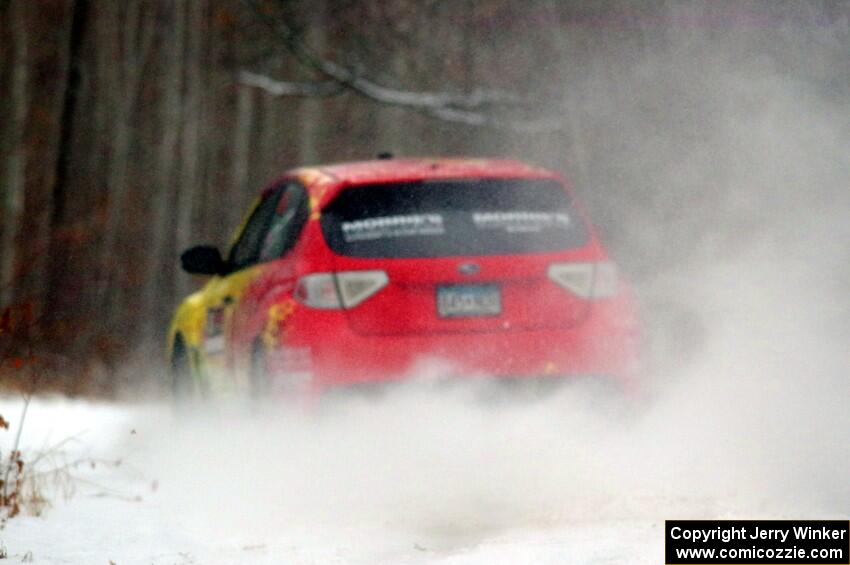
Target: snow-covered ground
359 482
424 476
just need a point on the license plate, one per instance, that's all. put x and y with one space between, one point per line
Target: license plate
458 301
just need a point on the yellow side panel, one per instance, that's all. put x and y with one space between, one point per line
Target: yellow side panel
189 320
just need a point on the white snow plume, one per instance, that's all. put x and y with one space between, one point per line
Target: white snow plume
749 398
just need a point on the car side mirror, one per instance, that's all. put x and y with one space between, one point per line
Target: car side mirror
203 260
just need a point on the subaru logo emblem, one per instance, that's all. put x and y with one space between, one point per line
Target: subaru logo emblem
468 269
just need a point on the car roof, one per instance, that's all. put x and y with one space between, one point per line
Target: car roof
324 182
407 169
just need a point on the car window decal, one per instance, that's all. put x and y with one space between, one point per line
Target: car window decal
401 225
520 221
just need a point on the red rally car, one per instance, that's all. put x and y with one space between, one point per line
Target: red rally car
363 272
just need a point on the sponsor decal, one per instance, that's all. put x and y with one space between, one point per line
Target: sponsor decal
405 225
520 221
276 323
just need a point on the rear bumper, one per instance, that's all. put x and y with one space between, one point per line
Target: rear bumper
320 347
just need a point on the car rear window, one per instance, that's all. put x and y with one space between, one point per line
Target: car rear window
453 218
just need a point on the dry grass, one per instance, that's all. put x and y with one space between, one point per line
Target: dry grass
29 479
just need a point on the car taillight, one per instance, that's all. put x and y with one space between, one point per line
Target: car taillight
343 290
587 280
357 286
317 291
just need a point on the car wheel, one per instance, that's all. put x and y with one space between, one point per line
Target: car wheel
182 383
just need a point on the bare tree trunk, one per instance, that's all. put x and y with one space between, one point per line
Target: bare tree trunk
245 102
190 146
59 252
311 109
166 174
137 38
270 139
13 183
210 163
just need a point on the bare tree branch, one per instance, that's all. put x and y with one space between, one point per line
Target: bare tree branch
482 107
424 102
286 88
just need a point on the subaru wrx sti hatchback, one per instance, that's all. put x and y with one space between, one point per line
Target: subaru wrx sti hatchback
363 272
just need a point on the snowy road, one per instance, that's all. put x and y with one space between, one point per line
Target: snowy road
203 491
428 478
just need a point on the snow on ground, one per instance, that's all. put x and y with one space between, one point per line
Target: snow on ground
425 476
220 485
